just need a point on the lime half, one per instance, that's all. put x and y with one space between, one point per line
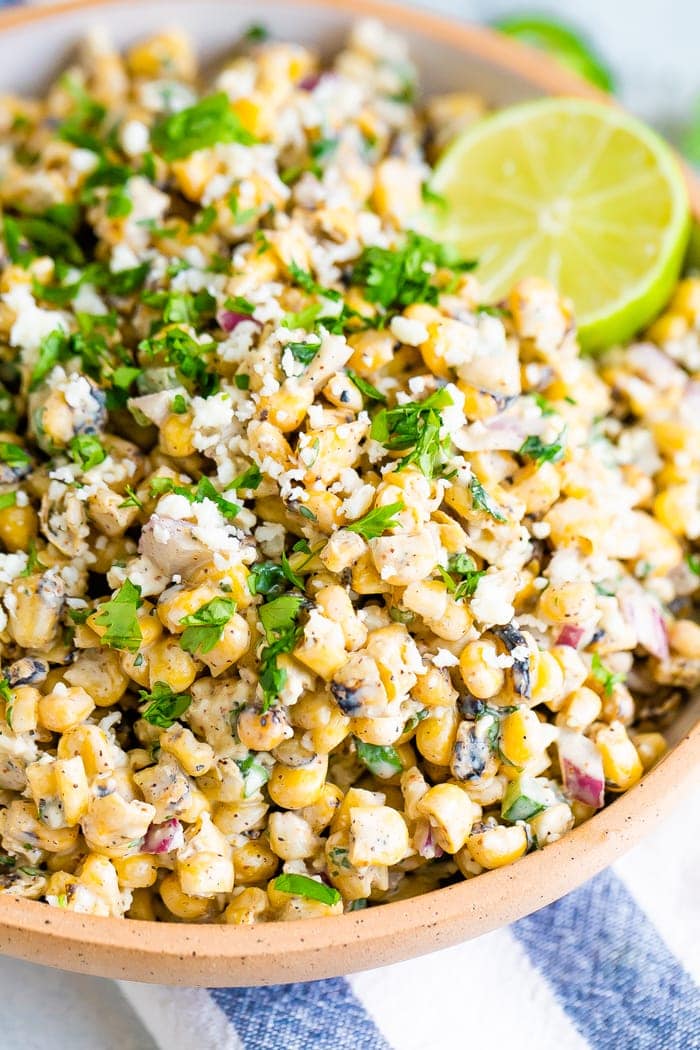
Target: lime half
573 191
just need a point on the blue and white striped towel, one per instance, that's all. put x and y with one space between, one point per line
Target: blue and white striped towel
615 965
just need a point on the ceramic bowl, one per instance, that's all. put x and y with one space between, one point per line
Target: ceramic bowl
34 44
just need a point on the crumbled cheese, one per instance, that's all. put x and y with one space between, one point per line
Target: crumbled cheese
12 566
444 658
412 333
134 137
31 324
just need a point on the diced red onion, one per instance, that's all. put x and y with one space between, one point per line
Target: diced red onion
571 635
228 320
424 842
643 615
309 82
164 838
581 768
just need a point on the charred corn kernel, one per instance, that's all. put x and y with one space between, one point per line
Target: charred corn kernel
168 662
138 871
435 688
34 604
319 815
335 603
497 846
175 436
100 673
24 709
451 814
546 676
572 602
180 904
63 708
521 736
293 788
579 710
247 907
254 861
378 835
667 327
435 736
18 527
195 756
650 748
263 730
621 763
72 788
478 665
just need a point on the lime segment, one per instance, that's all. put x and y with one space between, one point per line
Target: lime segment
575 192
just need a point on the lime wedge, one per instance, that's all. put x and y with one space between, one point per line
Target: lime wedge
575 192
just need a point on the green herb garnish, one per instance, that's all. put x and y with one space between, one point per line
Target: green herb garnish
482 501
119 616
304 886
377 521
86 451
198 127
416 426
607 678
164 706
205 627
365 387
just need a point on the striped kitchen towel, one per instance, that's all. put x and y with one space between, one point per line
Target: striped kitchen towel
615 965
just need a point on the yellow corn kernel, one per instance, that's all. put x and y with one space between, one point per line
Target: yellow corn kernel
372 350
365 577
247 907
176 437
175 604
137 871
63 708
579 710
684 638
195 756
167 54
521 738
263 730
325 738
674 506
168 662
319 815
546 676
657 544
378 835
293 788
18 527
572 602
451 814
234 642
142 908
322 646
286 409
254 861
113 824
335 603
100 673
181 904
250 114
72 788
24 710
621 763
91 744
436 735
434 688
397 190
669 326
538 486
479 669
380 731
497 846
686 299
650 748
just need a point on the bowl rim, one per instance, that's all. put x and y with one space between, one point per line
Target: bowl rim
279 952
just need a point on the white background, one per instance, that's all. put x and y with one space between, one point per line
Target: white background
652 45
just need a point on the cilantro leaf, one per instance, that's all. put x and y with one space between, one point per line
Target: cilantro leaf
51 349
465 567
255 775
382 760
200 126
693 562
279 621
607 678
416 426
33 563
482 501
8 499
86 451
119 616
164 707
395 278
377 521
204 628
132 499
13 455
534 448
249 479
305 886
365 387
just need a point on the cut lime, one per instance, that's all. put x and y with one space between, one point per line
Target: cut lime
573 191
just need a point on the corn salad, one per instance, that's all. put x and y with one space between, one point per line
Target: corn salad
323 582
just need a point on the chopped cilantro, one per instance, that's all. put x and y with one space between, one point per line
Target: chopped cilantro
164 707
51 349
305 886
33 562
534 448
29 236
119 616
180 349
205 627
416 426
6 694
431 197
242 382
304 352
267 578
321 151
13 455
463 566
365 387
249 479
693 562
279 621
382 760
607 678
238 305
132 499
7 499
205 220
86 451
482 501
255 775
179 405
377 521
256 33
200 126
395 278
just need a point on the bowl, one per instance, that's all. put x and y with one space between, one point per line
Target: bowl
450 55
